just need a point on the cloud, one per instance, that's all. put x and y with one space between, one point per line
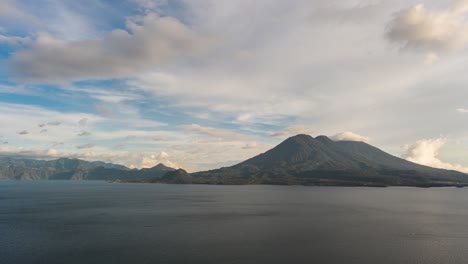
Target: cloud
104 110
85 146
150 41
3 140
350 136
430 59
55 144
159 139
163 155
291 131
212 132
23 117
462 110
23 132
152 160
29 153
83 122
244 117
426 152
435 30
252 145
106 95
54 123
9 10
84 133
13 40
151 5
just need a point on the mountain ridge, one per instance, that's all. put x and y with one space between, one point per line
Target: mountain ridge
298 160
305 160
73 169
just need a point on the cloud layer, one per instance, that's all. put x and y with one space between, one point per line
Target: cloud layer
150 41
212 132
426 152
213 82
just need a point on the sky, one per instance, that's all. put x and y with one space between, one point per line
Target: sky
201 84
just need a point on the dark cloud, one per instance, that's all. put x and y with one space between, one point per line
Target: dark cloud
54 123
85 146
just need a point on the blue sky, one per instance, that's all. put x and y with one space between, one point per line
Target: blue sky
203 84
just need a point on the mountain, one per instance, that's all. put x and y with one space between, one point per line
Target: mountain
301 159
178 176
111 174
305 160
73 169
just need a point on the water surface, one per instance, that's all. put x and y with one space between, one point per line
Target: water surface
98 222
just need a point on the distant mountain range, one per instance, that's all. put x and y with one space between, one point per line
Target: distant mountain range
73 169
301 159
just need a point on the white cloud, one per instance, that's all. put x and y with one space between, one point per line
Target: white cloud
163 155
419 28
244 117
153 160
213 132
83 122
426 152
462 110
106 95
150 40
350 136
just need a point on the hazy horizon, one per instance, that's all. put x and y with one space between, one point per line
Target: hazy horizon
205 84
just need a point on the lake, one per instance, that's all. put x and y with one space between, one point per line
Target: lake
99 222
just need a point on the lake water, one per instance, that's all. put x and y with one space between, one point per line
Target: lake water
98 222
